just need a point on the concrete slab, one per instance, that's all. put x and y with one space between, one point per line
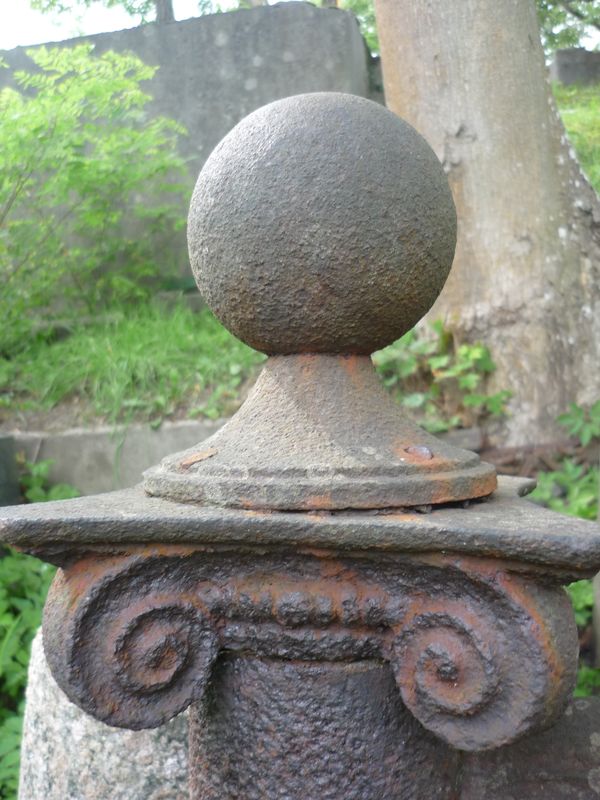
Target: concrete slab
96 460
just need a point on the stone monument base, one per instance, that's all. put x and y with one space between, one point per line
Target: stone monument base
68 755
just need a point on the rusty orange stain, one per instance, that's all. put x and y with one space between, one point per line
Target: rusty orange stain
195 458
317 502
518 592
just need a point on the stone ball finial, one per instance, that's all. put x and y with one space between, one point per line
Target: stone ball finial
322 223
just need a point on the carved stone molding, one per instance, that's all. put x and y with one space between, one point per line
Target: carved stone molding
345 602
481 655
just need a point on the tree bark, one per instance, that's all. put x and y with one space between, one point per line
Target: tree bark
164 11
470 76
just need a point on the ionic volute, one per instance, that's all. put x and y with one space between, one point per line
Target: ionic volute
281 577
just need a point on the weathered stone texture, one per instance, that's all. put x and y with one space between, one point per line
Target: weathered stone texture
67 755
562 763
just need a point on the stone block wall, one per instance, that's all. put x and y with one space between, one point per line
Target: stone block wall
575 65
216 69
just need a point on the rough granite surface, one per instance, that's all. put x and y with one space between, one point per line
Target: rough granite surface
67 755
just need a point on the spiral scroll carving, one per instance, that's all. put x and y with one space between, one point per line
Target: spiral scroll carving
454 671
471 673
480 656
132 664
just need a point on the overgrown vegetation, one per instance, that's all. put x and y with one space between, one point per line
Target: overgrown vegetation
24 583
443 384
150 363
574 489
77 152
142 363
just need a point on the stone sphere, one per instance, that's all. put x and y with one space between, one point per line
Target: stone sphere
322 223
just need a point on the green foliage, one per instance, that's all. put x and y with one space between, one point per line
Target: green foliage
588 681
138 363
583 424
571 490
574 490
565 23
443 384
582 598
77 152
24 582
579 108
36 487
148 363
365 13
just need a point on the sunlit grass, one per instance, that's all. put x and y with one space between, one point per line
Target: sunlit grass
579 108
141 363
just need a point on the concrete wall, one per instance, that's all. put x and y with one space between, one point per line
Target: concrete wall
9 477
575 65
97 460
102 459
216 69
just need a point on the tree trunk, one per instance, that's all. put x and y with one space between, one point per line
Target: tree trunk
470 76
164 11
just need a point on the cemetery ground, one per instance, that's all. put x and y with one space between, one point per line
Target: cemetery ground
149 361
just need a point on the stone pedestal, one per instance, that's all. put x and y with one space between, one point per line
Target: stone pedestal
351 608
68 755
299 730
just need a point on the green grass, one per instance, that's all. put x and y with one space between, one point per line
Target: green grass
579 108
145 363
150 364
